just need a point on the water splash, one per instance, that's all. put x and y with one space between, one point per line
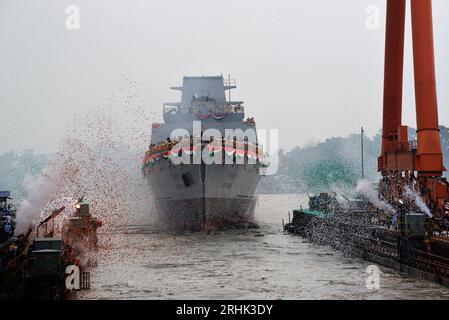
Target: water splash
99 157
39 190
414 196
367 189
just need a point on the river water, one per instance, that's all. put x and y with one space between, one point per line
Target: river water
262 263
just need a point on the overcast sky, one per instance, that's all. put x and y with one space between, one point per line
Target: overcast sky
310 68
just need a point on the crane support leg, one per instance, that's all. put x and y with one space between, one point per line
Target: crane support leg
394 61
429 155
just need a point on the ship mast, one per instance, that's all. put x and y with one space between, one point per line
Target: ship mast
229 90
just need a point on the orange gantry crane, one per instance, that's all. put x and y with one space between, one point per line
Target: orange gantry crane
403 162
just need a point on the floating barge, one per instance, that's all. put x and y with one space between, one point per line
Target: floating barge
407 248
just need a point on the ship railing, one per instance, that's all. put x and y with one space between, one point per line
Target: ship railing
167 108
223 109
227 109
238 108
430 262
229 82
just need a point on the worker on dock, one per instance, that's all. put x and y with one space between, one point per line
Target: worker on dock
7 228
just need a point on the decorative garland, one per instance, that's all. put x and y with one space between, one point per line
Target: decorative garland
166 151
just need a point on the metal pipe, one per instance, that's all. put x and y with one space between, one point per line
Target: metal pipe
361 151
430 160
393 73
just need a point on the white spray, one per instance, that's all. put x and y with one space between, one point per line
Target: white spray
40 190
414 196
367 189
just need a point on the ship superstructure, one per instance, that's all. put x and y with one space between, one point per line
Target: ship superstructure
204 163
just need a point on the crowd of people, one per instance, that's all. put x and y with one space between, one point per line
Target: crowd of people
8 247
7 223
250 149
227 141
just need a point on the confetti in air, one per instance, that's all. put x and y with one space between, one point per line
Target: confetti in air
100 158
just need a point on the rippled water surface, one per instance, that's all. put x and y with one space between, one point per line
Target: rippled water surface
260 263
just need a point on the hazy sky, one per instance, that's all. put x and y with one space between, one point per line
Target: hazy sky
310 68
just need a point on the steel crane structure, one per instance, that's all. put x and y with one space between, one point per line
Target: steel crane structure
402 162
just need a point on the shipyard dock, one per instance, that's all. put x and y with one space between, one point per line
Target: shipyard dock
409 247
45 263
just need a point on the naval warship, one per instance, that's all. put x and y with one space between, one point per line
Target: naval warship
204 163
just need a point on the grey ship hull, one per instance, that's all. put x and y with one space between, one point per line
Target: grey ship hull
197 196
